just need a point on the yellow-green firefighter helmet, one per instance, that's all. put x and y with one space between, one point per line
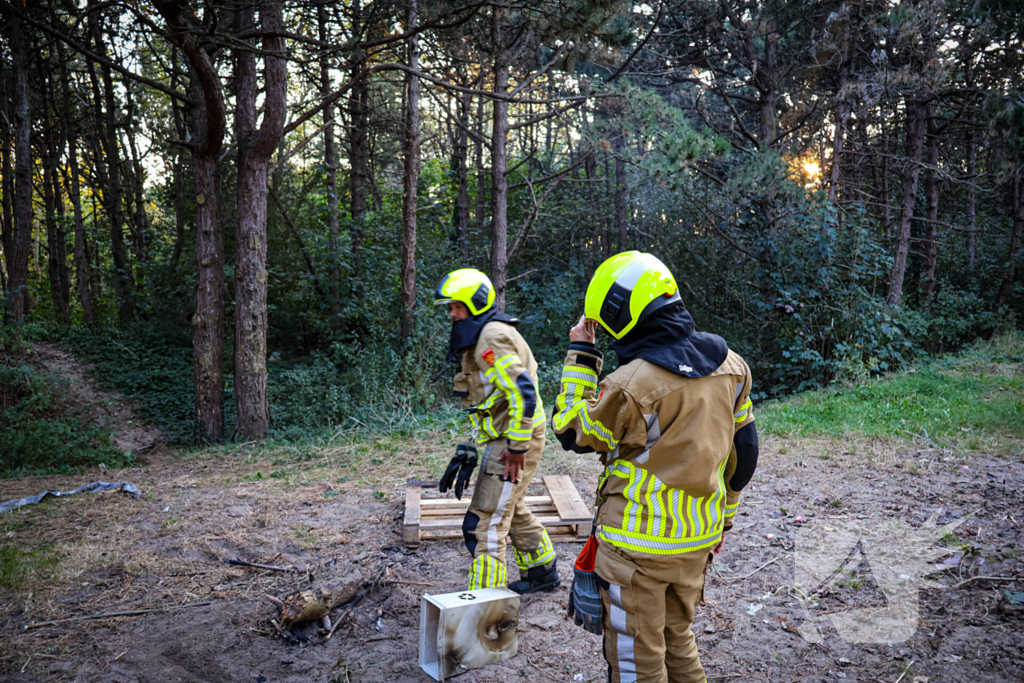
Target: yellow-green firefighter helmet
468 286
627 288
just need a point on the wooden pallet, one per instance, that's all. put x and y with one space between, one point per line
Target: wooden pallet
560 508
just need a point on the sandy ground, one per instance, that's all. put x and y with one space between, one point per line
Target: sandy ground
336 512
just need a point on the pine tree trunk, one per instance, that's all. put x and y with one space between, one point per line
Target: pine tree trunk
92 254
499 159
621 190
886 191
917 115
180 200
765 78
62 260
6 182
209 122
57 255
255 148
411 176
462 174
971 209
331 162
478 158
838 139
21 237
81 259
931 192
208 319
114 189
140 220
1006 289
359 140
75 196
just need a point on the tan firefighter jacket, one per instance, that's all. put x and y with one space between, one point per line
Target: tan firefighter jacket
666 442
498 384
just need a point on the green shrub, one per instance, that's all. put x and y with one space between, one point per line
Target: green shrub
39 432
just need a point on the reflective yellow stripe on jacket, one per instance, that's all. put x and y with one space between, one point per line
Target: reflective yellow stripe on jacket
662 520
578 383
499 375
482 417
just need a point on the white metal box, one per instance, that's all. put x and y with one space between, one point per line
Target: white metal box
467 630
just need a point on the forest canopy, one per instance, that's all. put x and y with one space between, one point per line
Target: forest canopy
245 205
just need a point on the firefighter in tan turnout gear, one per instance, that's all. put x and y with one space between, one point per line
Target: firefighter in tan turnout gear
674 428
498 385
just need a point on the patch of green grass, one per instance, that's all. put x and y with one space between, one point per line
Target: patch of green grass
306 536
969 401
18 567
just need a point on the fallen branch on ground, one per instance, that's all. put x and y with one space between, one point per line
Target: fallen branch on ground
243 563
343 617
107 615
742 578
409 583
987 578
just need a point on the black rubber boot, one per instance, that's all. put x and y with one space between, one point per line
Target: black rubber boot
538 579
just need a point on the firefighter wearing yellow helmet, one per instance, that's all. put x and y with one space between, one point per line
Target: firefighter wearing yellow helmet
497 383
674 428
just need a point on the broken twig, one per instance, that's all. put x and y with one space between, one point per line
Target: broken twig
107 615
986 578
409 583
743 578
243 563
343 616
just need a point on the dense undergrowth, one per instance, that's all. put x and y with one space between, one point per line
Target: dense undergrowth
968 401
41 431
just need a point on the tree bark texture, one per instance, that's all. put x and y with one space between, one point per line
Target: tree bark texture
21 235
499 158
931 193
917 116
331 165
1015 241
209 124
411 176
255 148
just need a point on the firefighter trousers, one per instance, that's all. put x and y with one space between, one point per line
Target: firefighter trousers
498 511
649 603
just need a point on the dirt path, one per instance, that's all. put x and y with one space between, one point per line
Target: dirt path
337 511
102 407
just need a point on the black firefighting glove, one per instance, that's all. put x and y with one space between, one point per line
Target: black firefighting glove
460 469
585 602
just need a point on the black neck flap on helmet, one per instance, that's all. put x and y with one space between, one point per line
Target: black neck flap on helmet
667 338
466 332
